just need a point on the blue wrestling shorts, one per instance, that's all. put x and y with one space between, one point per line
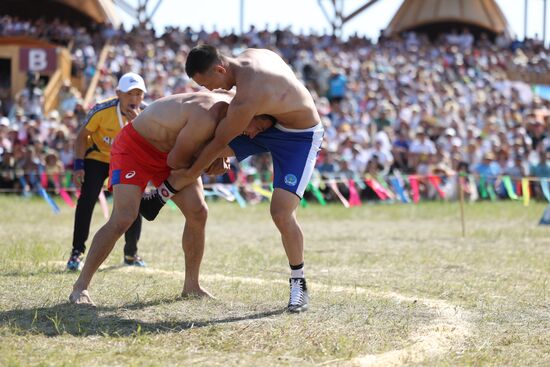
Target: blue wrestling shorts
294 153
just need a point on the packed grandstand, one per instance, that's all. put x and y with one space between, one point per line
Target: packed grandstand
394 108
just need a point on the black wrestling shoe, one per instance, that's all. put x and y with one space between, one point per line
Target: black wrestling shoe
299 299
150 205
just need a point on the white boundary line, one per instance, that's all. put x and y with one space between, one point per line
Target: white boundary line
445 333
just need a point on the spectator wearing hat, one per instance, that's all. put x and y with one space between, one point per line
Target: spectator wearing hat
91 164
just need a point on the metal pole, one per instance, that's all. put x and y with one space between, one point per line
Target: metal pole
461 192
544 24
242 17
525 21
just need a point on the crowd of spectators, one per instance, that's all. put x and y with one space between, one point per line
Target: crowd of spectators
403 105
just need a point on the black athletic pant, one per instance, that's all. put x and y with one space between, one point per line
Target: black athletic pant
95 173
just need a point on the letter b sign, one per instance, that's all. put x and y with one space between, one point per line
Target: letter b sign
37 59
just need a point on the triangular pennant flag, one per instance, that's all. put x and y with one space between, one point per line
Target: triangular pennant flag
34 181
317 193
334 187
103 204
436 183
43 179
474 194
62 192
413 180
354 199
375 186
545 188
260 190
68 179
382 182
172 205
509 186
223 192
398 188
525 190
491 191
24 186
545 219
483 188
358 181
240 200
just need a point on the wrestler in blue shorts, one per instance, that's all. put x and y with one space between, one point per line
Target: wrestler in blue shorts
293 151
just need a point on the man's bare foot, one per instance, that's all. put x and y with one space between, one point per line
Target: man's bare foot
81 298
196 292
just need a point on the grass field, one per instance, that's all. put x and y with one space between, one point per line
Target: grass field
389 285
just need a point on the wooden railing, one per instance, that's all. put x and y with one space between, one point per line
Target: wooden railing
528 77
95 79
51 92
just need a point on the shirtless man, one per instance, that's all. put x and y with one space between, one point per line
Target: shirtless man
265 86
172 129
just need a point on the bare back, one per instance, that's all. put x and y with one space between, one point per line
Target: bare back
270 84
163 120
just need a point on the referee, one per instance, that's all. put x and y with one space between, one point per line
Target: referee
91 165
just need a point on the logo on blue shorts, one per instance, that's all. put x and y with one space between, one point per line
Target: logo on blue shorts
291 180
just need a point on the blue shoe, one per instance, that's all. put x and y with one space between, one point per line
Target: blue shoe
75 261
134 261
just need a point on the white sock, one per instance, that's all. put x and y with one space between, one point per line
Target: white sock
166 191
297 271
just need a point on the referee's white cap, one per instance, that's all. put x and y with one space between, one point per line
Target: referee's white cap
131 81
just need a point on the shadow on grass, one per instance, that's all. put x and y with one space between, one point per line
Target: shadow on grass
67 318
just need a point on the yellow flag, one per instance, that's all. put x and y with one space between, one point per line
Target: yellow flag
265 193
525 191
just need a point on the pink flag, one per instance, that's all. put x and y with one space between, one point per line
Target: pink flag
44 180
62 192
377 188
354 199
103 204
413 180
436 182
334 187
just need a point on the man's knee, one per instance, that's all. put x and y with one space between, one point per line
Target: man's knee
198 214
280 215
121 222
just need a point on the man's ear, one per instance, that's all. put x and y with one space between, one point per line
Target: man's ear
220 69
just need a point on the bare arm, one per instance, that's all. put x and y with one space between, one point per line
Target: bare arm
238 116
80 142
198 130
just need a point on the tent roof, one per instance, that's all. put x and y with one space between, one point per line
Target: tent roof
80 11
485 14
102 11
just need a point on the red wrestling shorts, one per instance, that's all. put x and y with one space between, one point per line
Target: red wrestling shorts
134 161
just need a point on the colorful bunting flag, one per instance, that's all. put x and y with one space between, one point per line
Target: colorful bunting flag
509 187
413 180
103 204
525 190
545 188
334 187
354 199
436 183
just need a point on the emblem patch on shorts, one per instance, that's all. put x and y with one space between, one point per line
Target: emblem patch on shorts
130 174
115 177
291 180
